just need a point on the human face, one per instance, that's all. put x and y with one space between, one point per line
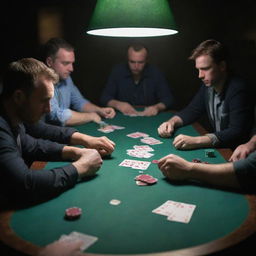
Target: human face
211 73
37 103
62 63
137 61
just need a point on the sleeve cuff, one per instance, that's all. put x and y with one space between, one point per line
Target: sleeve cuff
214 139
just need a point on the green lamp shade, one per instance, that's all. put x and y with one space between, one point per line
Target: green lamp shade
132 18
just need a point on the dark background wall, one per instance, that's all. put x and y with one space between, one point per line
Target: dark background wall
231 22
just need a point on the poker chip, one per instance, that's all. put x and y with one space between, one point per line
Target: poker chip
146 178
115 202
73 213
197 160
155 161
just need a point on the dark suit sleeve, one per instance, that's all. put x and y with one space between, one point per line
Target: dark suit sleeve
19 182
50 132
110 90
195 109
164 93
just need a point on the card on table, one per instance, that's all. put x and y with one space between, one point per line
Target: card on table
135 135
110 128
135 164
143 147
74 236
139 153
176 211
151 141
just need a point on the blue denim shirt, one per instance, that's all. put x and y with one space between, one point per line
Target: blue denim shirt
67 97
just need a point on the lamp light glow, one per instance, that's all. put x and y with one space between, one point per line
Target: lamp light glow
132 18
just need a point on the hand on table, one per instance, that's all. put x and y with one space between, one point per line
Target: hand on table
107 112
93 117
88 163
242 151
104 145
63 248
149 111
126 108
174 167
185 142
166 129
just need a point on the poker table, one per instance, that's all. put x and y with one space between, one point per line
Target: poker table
222 217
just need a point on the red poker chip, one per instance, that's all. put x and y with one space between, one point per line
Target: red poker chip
146 178
73 213
197 160
155 161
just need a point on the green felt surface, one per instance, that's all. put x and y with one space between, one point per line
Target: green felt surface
131 227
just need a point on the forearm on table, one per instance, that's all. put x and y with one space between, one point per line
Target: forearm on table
78 138
203 141
159 106
78 118
217 174
252 142
114 103
175 121
90 107
70 153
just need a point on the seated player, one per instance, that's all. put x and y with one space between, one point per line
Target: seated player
239 175
68 106
222 97
27 90
137 83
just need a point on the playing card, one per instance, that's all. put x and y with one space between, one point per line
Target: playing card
143 165
151 141
107 128
137 135
74 236
143 147
116 127
176 211
139 153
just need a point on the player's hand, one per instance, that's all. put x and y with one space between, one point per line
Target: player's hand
242 151
107 112
88 163
63 248
104 145
126 108
150 111
166 129
93 117
184 142
174 167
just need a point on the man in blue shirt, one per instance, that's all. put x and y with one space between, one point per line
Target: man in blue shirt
137 83
68 106
223 97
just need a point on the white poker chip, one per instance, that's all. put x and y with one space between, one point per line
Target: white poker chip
115 202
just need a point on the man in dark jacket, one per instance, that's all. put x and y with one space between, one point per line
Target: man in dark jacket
224 98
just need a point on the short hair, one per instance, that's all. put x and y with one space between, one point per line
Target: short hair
137 47
23 75
210 47
52 46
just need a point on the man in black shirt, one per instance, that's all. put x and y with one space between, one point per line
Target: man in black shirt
27 90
